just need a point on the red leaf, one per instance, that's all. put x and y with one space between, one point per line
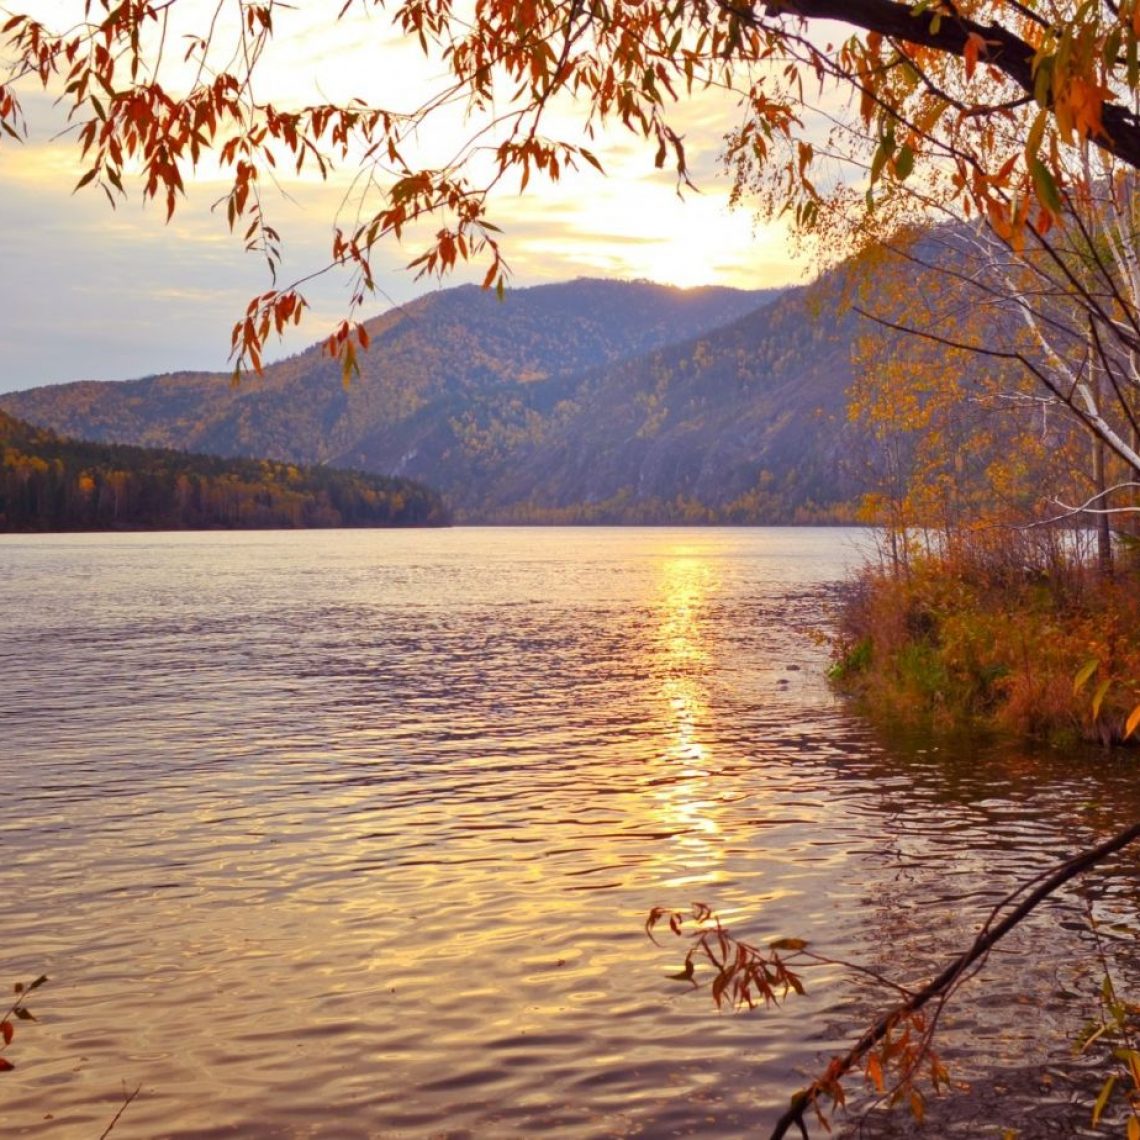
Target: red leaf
7 1030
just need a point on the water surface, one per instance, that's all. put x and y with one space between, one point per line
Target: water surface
353 834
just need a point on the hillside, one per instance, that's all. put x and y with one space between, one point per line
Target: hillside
589 401
48 483
745 423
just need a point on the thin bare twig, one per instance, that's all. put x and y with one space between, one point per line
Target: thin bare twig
127 1098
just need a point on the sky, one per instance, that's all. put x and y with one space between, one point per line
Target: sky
89 292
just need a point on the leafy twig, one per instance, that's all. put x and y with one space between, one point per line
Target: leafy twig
947 979
19 1011
901 1039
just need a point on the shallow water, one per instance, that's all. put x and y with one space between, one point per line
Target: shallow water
353 834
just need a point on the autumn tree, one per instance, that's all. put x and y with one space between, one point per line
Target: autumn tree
975 425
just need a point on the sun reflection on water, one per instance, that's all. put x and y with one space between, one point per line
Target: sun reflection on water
681 789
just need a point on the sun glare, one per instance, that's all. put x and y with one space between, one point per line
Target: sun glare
681 790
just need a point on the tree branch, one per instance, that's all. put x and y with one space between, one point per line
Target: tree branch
1005 50
803 1100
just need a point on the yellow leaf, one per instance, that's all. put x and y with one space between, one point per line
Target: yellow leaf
1082 677
1036 134
1102 1100
1099 695
1134 1066
1133 1128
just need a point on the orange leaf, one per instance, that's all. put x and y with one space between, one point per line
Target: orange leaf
974 47
917 1108
787 944
875 1073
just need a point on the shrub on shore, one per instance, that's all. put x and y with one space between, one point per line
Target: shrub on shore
1005 634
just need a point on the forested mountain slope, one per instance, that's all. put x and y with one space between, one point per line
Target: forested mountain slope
446 346
746 423
589 401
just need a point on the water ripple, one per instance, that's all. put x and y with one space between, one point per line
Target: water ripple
353 835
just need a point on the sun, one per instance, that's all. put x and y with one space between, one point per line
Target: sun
685 264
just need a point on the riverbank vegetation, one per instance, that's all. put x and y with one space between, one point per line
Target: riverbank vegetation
48 483
1008 635
999 389
758 507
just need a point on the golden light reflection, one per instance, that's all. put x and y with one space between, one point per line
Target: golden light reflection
681 788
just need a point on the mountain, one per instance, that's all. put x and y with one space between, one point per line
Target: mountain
49 483
744 423
589 401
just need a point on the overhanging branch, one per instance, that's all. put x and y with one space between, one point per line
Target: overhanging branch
991 934
1005 50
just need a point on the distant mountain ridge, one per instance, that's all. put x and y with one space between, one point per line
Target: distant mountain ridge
593 400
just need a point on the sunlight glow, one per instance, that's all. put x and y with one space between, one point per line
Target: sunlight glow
683 802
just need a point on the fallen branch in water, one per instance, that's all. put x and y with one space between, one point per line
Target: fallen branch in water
127 1098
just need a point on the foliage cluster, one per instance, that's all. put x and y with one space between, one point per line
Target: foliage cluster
956 441
50 483
17 1011
980 100
996 636
745 975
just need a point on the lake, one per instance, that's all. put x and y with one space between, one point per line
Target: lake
354 833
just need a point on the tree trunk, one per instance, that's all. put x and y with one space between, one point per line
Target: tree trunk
1103 531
